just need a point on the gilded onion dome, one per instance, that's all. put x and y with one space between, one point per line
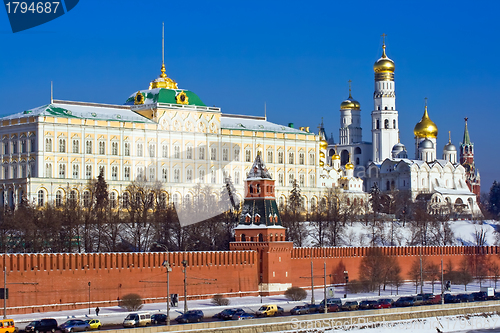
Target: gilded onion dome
350 103
349 166
425 128
323 144
384 64
335 157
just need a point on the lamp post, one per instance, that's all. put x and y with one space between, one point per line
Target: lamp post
169 269
89 297
184 263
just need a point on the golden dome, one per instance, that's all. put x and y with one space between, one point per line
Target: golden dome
335 157
163 81
321 154
321 163
323 144
384 64
425 127
349 104
349 166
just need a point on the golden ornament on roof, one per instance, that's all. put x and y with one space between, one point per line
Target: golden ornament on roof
425 128
335 157
139 98
384 64
349 166
182 98
163 81
321 154
323 144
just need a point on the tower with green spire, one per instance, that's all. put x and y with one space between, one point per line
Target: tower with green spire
472 177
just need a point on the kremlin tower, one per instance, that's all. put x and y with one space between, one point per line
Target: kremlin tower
473 179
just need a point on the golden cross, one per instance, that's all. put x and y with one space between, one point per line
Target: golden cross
425 101
383 38
349 87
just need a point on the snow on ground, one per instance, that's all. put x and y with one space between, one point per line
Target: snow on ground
359 234
115 315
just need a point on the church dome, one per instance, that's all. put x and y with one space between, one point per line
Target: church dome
349 166
384 64
350 104
450 147
425 128
323 144
398 147
426 144
335 157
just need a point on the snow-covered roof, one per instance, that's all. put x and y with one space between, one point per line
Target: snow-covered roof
258 170
81 110
249 123
449 191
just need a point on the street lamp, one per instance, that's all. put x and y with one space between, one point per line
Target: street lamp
89 297
184 263
169 269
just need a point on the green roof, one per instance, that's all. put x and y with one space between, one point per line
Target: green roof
162 95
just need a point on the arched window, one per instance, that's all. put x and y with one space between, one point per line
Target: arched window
125 200
387 186
357 151
243 238
386 123
261 238
377 126
59 198
394 123
86 199
112 200
41 197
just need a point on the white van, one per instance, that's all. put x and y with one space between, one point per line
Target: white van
137 319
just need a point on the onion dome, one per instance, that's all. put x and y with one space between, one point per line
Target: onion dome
426 144
349 166
449 147
425 128
384 67
323 144
335 157
398 147
321 154
350 103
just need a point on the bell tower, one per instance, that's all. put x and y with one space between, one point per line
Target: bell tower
260 229
472 177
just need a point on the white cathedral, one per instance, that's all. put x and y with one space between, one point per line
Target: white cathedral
384 162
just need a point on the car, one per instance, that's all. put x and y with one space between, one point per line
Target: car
41 326
366 305
300 309
137 319
350 306
242 316
74 325
418 300
8 326
189 317
480 296
383 304
390 300
227 314
95 324
425 298
158 318
434 299
313 308
465 298
405 301
449 298
281 311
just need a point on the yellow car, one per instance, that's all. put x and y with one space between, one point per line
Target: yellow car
95 324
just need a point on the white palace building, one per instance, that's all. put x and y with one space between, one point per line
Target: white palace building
169 135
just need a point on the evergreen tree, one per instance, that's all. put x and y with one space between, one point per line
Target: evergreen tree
494 200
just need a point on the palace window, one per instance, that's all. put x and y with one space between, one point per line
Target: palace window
140 173
14 171
280 157
114 173
189 153
225 153
213 154
237 155
177 175
23 146
290 158
88 147
114 148
126 149
237 177
152 149
213 176
164 175
86 199
269 157
48 171
164 151
139 149
88 171
152 174
202 176
248 155
280 179
62 145
126 173
62 171
41 197
102 147
23 171
291 179
311 159
75 171
33 145
14 147
76 146
301 159
202 153
189 176
177 152
48 145
302 181
112 200
125 200
59 198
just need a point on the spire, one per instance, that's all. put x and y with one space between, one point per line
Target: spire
466 133
163 75
449 136
350 96
383 46
163 81
258 170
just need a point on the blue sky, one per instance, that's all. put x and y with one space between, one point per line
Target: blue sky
294 56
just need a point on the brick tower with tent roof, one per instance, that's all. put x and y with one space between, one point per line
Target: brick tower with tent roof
260 229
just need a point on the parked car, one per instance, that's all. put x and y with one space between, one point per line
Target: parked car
480 296
383 304
313 308
281 311
418 300
449 298
300 309
137 319
390 300
158 318
227 314
434 299
334 307
365 305
268 311
190 317
74 325
404 301
42 326
350 306
95 324
242 316
465 298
